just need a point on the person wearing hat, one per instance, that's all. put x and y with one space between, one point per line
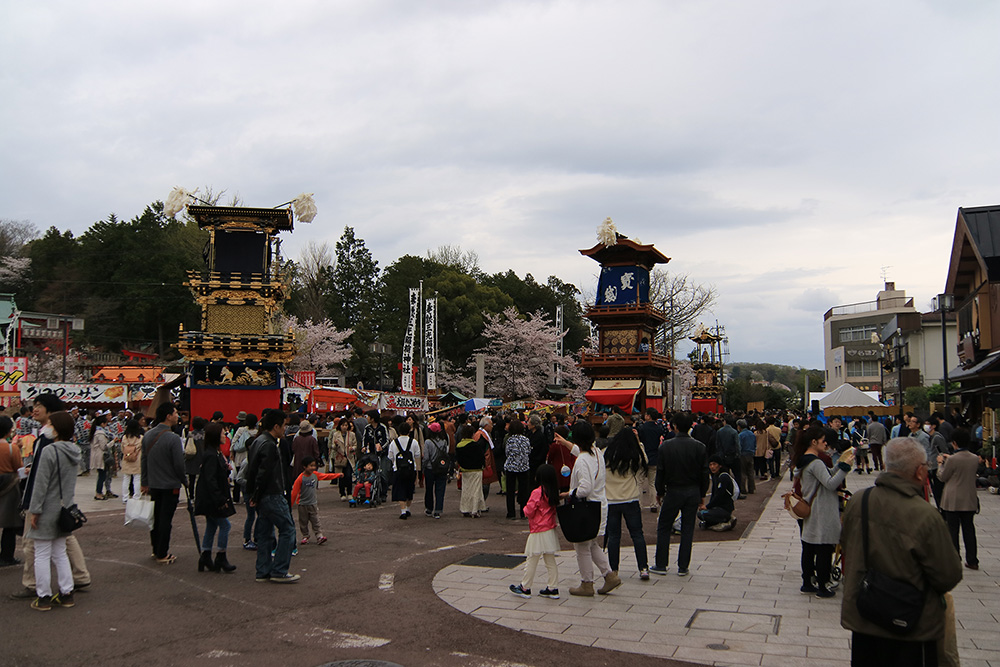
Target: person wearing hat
304 444
718 513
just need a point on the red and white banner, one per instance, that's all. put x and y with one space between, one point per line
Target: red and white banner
12 370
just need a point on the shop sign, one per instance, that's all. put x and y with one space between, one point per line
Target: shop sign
400 402
76 392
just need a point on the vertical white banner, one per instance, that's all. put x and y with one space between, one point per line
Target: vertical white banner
408 341
559 344
430 343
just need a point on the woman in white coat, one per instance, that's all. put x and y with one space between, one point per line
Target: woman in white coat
587 482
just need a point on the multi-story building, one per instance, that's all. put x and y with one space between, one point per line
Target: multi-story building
861 339
851 338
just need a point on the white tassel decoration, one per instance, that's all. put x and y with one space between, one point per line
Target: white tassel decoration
178 199
304 207
607 235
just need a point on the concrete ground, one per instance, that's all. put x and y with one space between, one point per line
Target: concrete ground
740 605
389 590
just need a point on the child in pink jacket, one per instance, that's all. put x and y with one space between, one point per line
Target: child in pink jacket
542 538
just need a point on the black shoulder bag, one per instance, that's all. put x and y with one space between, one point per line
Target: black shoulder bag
891 604
70 518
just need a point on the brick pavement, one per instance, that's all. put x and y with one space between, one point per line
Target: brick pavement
741 598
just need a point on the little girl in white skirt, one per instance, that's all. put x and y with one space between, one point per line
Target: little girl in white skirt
542 538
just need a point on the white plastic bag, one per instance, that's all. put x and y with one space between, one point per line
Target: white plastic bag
139 512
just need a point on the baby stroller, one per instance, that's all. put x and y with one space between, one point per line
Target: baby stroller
379 485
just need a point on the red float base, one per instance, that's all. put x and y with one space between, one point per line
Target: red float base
706 405
231 401
655 403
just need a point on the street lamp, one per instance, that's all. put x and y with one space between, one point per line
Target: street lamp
943 303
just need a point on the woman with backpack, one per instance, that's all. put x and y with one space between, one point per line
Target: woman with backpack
404 454
437 466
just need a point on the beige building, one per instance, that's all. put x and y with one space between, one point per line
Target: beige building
854 334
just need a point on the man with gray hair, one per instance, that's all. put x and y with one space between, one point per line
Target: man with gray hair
908 542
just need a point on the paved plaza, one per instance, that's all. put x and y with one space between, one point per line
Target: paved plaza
740 606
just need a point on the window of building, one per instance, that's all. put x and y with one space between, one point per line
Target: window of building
858 333
862 368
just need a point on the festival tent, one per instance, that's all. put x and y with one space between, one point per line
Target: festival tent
474 404
849 400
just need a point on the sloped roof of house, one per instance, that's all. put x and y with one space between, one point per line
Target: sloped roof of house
977 240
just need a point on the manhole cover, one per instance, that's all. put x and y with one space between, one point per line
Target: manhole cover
360 663
734 621
494 560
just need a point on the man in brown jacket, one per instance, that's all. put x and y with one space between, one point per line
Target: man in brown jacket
959 501
909 542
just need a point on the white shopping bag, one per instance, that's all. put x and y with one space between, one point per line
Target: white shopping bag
139 512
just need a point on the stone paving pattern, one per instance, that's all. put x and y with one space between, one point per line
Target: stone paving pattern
742 594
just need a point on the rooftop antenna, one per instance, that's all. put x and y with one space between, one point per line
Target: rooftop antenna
885 273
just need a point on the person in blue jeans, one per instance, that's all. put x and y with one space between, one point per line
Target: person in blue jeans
681 484
435 476
266 483
625 459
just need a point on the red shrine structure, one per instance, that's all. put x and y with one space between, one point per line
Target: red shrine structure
627 370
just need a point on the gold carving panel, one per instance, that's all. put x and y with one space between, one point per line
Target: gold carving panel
619 341
220 319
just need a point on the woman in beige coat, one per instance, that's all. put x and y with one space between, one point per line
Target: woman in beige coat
344 452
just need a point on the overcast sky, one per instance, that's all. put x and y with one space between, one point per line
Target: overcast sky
783 152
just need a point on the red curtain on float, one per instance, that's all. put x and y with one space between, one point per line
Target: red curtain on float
231 401
706 405
619 398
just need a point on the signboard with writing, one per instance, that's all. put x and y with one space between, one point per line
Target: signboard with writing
12 370
402 402
76 392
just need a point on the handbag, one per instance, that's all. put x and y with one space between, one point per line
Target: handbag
70 518
580 520
190 449
798 507
139 512
891 604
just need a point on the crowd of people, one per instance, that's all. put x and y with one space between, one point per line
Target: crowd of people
689 469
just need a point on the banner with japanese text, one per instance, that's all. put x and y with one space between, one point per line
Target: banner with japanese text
76 392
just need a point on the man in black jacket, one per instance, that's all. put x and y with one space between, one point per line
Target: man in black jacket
266 481
681 484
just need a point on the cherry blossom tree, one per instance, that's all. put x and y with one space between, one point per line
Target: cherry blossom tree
321 346
520 355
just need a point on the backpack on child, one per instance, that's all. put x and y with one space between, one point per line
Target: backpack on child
404 459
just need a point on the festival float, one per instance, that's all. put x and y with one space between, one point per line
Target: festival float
627 370
707 359
235 362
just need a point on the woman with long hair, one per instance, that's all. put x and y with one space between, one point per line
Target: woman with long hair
213 499
100 443
344 448
587 483
818 485
132 460
625 460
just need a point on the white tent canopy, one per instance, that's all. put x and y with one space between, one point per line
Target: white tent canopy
848 396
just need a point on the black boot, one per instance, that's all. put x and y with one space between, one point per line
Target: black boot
205 562
222 564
